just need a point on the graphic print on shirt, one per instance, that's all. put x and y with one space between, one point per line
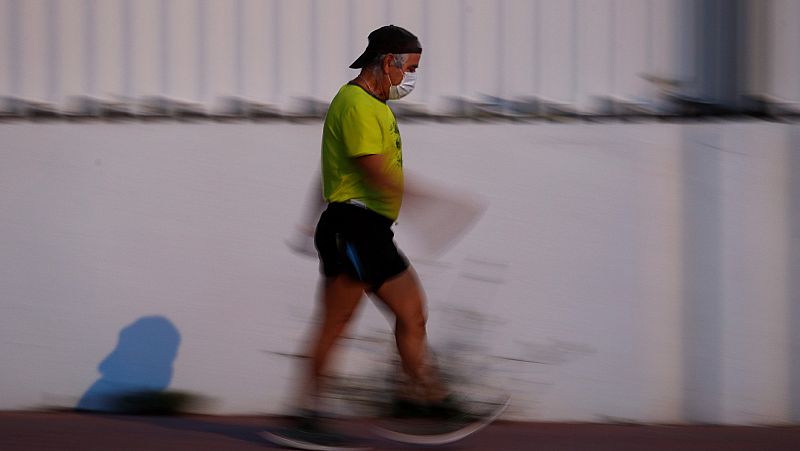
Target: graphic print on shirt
398 144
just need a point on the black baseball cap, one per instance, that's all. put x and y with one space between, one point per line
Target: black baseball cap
388 39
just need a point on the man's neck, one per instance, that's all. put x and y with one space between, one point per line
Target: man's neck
369 82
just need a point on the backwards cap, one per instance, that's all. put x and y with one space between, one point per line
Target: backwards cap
388 39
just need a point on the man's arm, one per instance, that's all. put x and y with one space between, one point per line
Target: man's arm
374 169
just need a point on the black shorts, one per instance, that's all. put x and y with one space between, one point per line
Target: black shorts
358 242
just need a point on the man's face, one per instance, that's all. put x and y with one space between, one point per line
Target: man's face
396 73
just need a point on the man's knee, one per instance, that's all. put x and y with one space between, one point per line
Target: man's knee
413 322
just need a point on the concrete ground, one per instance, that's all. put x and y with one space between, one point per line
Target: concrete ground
75 431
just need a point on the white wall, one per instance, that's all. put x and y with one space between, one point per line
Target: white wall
639 272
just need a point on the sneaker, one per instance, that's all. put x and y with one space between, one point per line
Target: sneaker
453 410
441 423
309 435
406 408
448 409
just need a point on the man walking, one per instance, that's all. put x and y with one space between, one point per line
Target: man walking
362 182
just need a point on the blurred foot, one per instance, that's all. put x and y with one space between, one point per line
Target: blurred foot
439 423
308 434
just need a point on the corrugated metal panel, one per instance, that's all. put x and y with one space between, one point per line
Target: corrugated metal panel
570 52
783 79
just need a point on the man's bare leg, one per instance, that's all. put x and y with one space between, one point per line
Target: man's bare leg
403 295
340 297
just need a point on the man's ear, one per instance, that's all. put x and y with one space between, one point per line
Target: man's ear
388 60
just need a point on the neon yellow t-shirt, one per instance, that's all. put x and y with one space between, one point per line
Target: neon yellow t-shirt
358 124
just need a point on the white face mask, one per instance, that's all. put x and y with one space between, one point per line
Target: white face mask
404 88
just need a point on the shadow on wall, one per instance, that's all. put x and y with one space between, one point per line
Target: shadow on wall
140 363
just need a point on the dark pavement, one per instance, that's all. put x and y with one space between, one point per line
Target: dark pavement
76 431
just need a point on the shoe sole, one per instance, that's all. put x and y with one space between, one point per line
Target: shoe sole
281 440
446 438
